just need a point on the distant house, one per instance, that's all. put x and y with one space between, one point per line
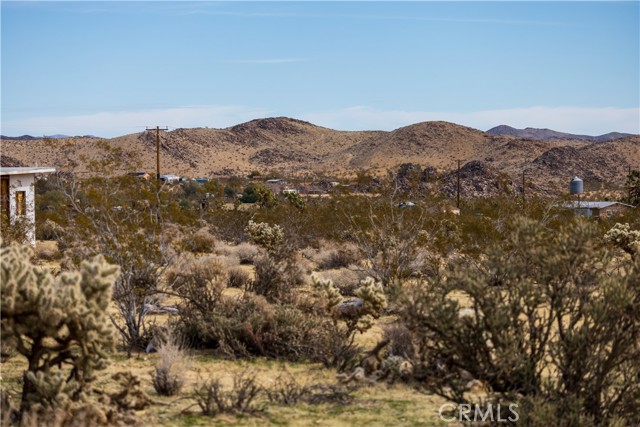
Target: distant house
141 175
289 191
169 178
17 193
598 209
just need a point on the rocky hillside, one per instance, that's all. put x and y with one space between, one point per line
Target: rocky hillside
295 147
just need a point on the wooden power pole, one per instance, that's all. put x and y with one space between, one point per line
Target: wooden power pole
158 129
458 187
524 197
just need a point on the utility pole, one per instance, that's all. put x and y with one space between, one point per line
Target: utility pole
158 129
458 196
524 198
630 184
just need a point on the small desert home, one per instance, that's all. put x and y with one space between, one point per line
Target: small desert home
18 197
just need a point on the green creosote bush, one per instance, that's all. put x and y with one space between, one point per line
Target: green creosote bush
296 201
59 324
260 194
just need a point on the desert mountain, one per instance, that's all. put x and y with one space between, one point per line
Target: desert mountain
549 135
295 147
18 138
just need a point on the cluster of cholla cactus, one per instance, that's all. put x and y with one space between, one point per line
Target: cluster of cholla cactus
59 324
358 313
265 235
625 238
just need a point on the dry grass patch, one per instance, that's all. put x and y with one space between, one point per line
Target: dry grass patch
373 406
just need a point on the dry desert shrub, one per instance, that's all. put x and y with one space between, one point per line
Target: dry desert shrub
275 279
228 260
343 256
47 253
245 252
400 341
202 241
169 375
346 280
238 278
199 280
287 390
214 399
49 230
249 326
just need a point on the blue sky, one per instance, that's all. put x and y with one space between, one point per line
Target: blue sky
112 68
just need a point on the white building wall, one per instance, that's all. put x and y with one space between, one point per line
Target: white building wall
26 183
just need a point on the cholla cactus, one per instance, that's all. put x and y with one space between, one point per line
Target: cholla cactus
56 322
359 314
373 297
331 293
265 235
622 236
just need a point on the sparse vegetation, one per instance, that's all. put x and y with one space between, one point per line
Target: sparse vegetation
485 306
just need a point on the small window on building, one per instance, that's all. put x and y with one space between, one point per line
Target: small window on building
21 203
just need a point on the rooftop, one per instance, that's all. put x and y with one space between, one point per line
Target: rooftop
25 170
592 205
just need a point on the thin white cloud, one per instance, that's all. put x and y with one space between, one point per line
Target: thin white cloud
110 124
265 61
592 121
460 20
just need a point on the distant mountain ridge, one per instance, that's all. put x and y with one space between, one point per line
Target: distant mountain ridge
291 147
18 138
550 135
31 138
